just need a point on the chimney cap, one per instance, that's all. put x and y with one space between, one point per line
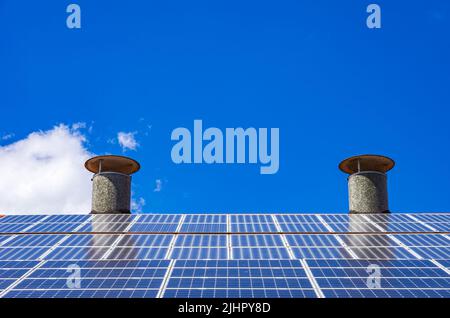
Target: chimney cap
367 163
112 163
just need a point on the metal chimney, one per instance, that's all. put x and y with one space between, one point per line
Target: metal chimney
111 184
367 183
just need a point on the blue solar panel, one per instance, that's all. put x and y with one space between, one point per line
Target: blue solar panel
138 253
219 255
76 253
205 218
76 218
21 219
260 253
145 240
159 218
238 279
256 240
204 228
305 240
201 240
12 227
54 227
199 253
303 227
154 227
104 240
98 279
385 293
26 253
33 240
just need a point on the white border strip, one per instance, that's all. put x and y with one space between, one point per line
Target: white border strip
340 241
34 224
165 282
283 237
174 238
311 279
17 282
426 225
445 269
65 238
393 238
12 237
116 242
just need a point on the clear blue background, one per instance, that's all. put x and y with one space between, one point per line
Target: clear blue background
311 68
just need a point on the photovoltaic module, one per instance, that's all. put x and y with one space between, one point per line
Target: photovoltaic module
225 255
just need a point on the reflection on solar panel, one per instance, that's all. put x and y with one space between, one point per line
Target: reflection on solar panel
206 255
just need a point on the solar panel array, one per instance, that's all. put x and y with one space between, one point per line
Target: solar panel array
220 255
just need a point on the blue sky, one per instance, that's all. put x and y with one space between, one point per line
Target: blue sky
311 68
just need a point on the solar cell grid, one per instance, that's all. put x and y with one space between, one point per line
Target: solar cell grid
306 240
251 218
420 240
441 227
22 219
13 227
145 240
76 253
86 264
100 240
405 227
204 218
253 227
303 227
261 253
201 240
432 218
386 293
159 218
204 227
4 238
54 227
382 253
199 253
238 278
297 218
140 227
112 218
397 278
434 252
98 279
256 240
137 253
32 240
105 227
124 256
75 218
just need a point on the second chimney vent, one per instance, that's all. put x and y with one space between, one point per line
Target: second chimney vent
367 183
111 184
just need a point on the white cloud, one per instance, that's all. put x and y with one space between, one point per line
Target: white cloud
158 185
137 205
7 136
127 140
79 125
44 173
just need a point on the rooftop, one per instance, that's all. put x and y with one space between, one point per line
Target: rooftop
225 255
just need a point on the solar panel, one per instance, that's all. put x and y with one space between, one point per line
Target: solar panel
220 255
